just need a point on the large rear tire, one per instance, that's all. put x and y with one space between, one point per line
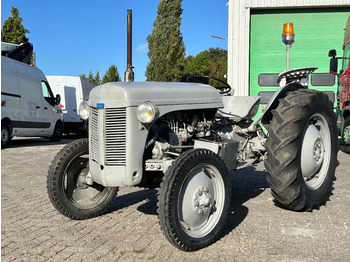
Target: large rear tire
67 187
302 150
194 200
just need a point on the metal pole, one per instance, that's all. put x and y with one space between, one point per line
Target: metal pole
129 73
288 56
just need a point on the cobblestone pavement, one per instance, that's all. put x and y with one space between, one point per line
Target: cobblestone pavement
257 230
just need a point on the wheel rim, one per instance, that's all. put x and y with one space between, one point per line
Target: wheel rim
201 200
5 135
76 190
316 151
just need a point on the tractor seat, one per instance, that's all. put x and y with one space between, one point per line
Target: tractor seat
238 108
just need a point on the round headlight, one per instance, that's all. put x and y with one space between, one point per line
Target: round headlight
84 110
146 112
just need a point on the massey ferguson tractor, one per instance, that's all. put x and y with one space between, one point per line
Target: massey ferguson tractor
186 139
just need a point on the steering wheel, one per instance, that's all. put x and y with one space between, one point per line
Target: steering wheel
196 79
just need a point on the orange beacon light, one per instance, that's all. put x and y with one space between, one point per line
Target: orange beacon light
288 34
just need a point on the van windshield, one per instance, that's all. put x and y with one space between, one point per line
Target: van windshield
47 93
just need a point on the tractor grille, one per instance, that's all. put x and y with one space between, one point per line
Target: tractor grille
115 121
95 155
114 136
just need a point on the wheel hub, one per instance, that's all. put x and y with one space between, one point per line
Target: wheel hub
202 200
318 151
312 153
81 180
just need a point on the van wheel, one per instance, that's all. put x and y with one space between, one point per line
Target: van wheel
67 185
346 135
57 133
5 135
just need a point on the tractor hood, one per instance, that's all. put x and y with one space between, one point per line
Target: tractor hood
132 94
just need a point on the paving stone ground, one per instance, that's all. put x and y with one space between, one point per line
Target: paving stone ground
257 230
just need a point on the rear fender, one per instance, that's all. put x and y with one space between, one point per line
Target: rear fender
273 103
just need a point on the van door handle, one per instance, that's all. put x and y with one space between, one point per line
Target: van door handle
37 107
45 108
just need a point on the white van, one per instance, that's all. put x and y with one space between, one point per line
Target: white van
73 90
28 106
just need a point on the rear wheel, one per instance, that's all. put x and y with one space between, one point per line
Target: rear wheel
67 184
57 133
302 150
5 134
194 200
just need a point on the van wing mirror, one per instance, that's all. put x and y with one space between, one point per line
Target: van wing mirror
333 66
58 99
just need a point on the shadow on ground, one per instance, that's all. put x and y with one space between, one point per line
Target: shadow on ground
18 142
246 184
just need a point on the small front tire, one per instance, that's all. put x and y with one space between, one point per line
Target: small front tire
194 200
67 187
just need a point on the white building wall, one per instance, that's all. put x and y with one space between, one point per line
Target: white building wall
239 32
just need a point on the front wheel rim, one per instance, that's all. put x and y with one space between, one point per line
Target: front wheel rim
76 191
201 200
316 151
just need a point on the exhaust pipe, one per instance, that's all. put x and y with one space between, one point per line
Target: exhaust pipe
129 73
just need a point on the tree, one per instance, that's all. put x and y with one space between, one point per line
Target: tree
91 78
97 79
111 75
165 44
12 30
212 62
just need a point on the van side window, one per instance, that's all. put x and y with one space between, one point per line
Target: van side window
47 93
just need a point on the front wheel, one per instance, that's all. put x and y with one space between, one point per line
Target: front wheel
194 200
302 150
67 185
345 134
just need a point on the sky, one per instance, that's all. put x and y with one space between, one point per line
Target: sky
72 37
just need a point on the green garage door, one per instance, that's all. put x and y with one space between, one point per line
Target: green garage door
316 32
